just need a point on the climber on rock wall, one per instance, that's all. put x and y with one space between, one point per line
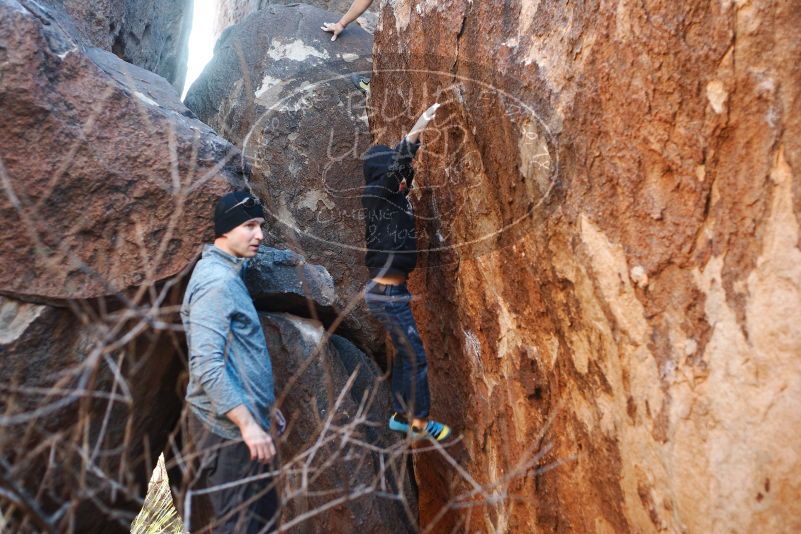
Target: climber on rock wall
391 254
231 392
357 9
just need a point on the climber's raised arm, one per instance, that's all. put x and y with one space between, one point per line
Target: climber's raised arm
422 122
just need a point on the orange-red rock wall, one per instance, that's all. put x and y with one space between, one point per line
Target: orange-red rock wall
609 216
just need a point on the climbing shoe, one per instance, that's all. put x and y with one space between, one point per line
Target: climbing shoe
362 83
398 423
434 430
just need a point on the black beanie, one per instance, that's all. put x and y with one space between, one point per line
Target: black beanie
227 217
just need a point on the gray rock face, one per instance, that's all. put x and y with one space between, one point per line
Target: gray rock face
351 424
151 34
80 427
103 169
282 279
281 90
232 12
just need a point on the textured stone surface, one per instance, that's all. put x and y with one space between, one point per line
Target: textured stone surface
107 181
308 384
77 446
232 12
280 277
107 186
151 34
280 90
649 299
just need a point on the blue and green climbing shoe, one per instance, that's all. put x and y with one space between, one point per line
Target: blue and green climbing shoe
435 430
398 423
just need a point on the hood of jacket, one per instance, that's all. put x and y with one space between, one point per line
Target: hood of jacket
377 161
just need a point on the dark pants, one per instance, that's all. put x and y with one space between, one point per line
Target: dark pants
247 507
390 305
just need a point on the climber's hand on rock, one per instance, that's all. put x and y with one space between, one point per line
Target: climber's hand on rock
334 27
422 122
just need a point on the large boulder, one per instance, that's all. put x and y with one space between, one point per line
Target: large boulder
344 471
279 89
108 183
83 415
151 34
613 192
282 280
232 12
108 180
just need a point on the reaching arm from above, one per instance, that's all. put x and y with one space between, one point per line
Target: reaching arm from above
356 10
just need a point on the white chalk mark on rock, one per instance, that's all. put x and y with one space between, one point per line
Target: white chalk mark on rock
295 50
266 84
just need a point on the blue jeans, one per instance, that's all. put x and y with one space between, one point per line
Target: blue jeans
390 305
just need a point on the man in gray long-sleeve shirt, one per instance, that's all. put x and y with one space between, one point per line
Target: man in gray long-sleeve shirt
230 392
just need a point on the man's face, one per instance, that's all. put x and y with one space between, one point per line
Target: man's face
243 241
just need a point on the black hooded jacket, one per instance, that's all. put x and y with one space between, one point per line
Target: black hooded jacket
389 219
